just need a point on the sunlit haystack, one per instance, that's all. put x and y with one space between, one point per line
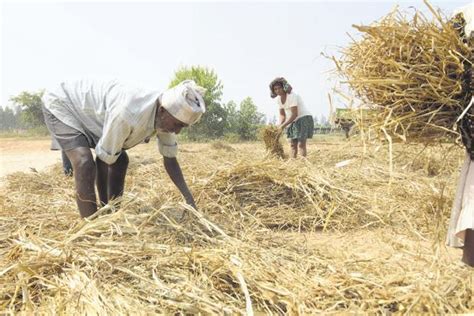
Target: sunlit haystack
413 70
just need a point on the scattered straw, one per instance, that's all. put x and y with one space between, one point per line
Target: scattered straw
254 246
221 145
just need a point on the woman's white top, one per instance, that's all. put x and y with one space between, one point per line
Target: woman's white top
293 100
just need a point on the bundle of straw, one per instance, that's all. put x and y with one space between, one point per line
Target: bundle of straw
271 137
413 71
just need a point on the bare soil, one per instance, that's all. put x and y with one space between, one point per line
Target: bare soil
18 154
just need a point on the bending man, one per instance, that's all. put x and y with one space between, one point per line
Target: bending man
112 117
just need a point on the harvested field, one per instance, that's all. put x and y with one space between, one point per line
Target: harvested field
334 233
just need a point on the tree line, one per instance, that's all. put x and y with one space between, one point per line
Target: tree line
232 121
26 113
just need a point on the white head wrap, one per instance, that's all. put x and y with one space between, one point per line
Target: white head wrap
468 14
185 102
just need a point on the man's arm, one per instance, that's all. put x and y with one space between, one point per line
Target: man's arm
115 131
174 171
111 178
102 180
108 151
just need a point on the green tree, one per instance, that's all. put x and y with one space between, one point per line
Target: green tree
3 125
9 119
17 117
232 114
31 112
249 120
213 122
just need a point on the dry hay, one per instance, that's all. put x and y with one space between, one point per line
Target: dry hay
271 137
221 145
304 195
230 257
412 71
283 195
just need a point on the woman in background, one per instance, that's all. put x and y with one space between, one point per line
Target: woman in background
294 116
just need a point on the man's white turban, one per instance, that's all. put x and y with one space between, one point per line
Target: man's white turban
185 101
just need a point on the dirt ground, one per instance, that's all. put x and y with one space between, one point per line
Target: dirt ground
17 154
27 155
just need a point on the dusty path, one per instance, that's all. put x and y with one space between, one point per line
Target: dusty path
17 154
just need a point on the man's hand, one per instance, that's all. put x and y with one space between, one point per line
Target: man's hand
190 202
185 214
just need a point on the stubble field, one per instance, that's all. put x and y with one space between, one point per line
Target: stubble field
337 232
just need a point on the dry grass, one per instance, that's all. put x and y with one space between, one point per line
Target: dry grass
271 136
219 145
411 70
270 236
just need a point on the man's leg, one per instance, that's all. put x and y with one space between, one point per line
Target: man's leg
294 148
468 250
67 166
84 176
346 130
302 147
117 172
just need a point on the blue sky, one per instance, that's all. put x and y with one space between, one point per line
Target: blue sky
246 43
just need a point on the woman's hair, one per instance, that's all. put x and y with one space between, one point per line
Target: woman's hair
280 81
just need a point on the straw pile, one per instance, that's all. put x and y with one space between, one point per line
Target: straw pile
241 252
413 71
271 137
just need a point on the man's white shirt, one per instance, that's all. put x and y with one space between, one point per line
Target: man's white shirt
115 115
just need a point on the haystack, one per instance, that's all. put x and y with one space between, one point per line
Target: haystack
413 71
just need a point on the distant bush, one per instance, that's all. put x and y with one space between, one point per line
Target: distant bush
232 137
39 131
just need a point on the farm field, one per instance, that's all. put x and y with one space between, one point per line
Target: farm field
334 233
